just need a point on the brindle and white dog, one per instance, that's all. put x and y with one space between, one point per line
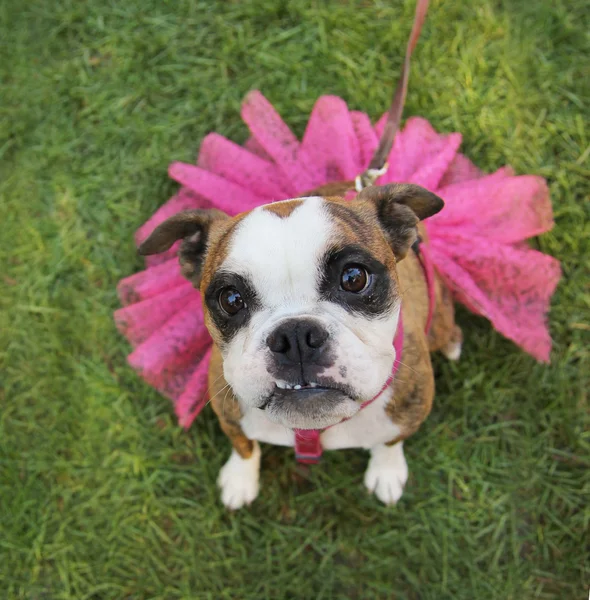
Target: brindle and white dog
302 299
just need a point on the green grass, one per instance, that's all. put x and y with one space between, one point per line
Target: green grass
101 494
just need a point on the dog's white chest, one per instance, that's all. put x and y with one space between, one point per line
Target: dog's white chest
369 427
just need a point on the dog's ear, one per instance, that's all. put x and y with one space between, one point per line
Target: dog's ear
399 207
193 227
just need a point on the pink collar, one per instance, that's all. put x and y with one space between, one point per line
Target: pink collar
308 446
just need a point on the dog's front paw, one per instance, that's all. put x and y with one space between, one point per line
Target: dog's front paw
387 473
239 479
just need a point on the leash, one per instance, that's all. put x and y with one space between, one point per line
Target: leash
378 164
308 445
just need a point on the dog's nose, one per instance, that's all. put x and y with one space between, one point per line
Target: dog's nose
298 340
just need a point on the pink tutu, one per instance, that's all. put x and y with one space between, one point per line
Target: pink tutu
477 242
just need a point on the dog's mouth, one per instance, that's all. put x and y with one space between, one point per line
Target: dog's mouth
310 405
282 385
305 389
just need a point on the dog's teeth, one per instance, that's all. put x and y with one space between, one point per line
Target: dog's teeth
313 385
297 387
280 385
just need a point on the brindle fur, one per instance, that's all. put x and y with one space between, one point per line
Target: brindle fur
335 188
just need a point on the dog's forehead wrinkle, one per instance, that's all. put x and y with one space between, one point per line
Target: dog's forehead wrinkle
281 254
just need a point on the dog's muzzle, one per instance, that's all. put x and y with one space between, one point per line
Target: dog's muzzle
300 351
309 407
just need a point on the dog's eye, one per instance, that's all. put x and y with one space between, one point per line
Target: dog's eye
231 301
354 279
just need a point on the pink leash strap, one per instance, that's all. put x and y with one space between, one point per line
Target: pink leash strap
423 253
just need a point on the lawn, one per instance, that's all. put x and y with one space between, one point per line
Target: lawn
102 495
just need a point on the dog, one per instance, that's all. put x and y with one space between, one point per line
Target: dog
303 298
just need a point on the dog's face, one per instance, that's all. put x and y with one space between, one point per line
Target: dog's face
302 296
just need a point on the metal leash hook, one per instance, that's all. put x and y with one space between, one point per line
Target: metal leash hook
369 177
